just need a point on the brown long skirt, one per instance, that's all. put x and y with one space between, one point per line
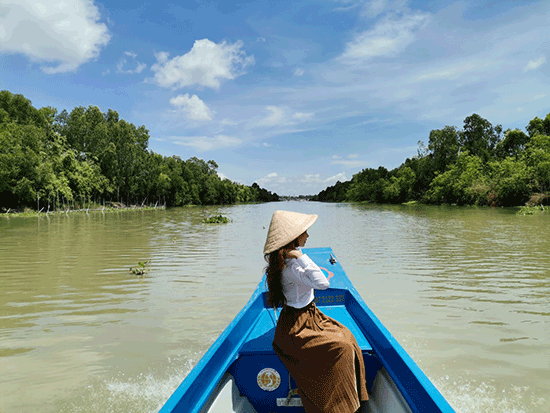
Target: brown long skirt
323 358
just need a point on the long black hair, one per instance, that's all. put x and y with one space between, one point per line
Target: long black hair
274 271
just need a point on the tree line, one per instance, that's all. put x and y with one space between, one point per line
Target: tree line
51 160
476 165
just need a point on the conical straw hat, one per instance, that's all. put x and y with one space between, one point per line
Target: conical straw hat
285 227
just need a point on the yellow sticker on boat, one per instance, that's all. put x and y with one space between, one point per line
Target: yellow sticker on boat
268 379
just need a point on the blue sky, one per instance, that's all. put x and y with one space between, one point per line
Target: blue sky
294 95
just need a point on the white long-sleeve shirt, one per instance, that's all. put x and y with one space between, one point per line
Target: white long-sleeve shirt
299 278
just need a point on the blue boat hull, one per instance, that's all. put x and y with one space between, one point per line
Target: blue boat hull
241 373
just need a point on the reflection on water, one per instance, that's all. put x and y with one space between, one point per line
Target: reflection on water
464 290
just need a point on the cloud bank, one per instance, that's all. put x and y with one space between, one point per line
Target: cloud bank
59 35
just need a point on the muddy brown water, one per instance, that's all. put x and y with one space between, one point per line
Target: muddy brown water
466 291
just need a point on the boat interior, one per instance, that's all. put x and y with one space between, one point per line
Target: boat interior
243 388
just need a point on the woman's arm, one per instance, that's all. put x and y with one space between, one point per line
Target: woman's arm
304 271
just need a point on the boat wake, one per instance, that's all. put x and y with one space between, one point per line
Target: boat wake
144 393
469 396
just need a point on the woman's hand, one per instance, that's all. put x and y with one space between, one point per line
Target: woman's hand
293 254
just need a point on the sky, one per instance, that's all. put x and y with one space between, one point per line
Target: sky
294 95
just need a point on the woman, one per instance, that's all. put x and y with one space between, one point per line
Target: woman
320 353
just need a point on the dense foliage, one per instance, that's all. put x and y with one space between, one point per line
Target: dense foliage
50 159
478 165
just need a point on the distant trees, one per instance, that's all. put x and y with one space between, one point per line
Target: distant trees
50 159
474 165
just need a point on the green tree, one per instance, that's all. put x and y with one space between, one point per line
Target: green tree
335 193
479 137
443 146
423 169
367 185
510 182
535 127
400 187
462 183
18 109
19 160
537 159
513 144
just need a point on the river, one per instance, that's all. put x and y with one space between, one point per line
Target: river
466 291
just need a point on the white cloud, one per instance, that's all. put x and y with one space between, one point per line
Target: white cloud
445 75
375 7
388 37
316 178
348 163
281 116
302 116
206 64
275 116
205 143
271 178
438 113
193 106
60 35
299 184
299 72
308 181
453 70
535 64
338 177
400 149
229 122
124 61
308 178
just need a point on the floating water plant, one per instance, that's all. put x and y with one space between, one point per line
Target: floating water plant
216 219
530 210
140 270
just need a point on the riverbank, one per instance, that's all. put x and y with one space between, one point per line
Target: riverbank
520 210
115 207
110 209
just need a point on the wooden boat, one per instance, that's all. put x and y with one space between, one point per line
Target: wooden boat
241 373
